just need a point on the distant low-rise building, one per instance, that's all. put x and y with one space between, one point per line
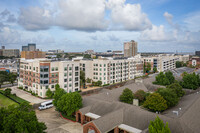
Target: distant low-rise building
32 54
89 52
11 52
194 62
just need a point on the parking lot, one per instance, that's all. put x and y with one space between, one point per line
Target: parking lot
56 124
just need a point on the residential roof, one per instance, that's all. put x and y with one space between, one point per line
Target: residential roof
114 113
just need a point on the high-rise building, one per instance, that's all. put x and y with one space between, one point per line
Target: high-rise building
130 49
31 47
2 47
24 48
197 53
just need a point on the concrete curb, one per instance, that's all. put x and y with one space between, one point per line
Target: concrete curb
66 118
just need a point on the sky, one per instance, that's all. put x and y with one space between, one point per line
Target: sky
101 25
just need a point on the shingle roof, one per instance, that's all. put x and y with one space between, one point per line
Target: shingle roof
114 113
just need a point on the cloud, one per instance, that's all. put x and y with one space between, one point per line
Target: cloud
86 15
157 33
4 13
128 16
112 37
168 17
35 18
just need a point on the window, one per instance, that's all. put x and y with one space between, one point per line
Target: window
34 68
40 93
65 80
104 65
52 75
76 84
56 81
76 79
65 74
70 74
52 81
52 69
76 68
76 73
56 75
83 65
65 69
70 85
46 81
56 68
65 86
52 86
76 89
70 79
70 68
30 67
47 87
46 69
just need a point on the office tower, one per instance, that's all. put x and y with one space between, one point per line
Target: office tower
24 48
130 49
31 47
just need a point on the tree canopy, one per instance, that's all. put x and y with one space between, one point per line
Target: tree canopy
57 95
155 102
190 81
7 77
169 95
49 93
164 79
177 88
126 96
69 103
157 126
140 95
21 119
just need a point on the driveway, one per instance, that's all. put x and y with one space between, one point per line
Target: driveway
26 96
56 124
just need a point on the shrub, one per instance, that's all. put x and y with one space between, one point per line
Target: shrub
140 95
177 88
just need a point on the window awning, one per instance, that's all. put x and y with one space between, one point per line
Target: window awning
93 116
129 128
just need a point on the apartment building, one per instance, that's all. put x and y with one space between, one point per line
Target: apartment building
162 62
37 75
183 58
112 70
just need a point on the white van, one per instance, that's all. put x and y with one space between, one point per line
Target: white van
46 105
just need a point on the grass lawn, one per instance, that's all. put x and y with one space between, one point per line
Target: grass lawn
5 102
18 99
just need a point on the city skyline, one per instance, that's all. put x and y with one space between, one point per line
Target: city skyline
166 26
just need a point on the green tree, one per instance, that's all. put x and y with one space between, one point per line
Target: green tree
126 96
177 88
88 80
7 91
179 64
170 77
190 81
161 79
57 95
82 78
87 56
157 126
70 103
49 93
20 119
99 83
3 77
12 77
144 68
148 69
140 95
155 102
154 69
57 86
169 95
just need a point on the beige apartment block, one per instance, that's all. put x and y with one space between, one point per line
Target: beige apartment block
37 75
110 70
162 62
